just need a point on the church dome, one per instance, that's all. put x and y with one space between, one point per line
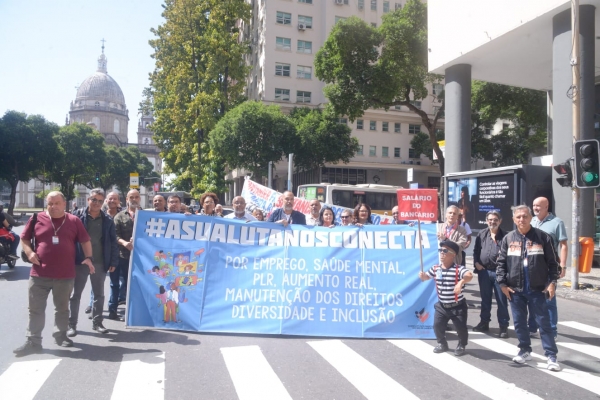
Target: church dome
102 87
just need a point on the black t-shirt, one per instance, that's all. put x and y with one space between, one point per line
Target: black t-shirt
2 218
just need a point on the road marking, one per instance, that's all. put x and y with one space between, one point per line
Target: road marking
593 351
368 379
22 380
140 380
582 379
252 376
475 378
581 327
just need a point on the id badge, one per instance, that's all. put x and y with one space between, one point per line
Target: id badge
54 239
438 273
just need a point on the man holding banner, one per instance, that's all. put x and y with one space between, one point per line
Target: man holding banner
287 214
450 279
451 230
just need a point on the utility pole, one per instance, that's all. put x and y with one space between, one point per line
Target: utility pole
576 136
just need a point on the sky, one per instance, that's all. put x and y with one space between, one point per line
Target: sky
49 47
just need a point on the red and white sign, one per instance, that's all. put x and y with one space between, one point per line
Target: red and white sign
156 187
418 204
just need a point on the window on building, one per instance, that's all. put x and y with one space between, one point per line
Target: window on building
307 21
302 97
283 43
373 5
397 107
416 104
373 24
433 182
343 121
396 152
412 153
397 6
488 131
412 129
372 151
146 141
360 124
304 47
373 125
359 152
304 72
346 2
397 127
305 1
284 18
384 151
282 94
282 69
116 126
361 4
348 176
386 6
437 88
337 19
97 104
385 126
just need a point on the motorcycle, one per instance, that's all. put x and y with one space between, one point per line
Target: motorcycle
5 255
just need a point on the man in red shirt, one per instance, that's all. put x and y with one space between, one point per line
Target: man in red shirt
53 269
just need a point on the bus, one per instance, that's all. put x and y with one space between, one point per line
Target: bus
381 198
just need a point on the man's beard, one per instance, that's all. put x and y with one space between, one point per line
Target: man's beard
133 204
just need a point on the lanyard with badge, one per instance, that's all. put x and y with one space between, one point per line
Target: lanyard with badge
55 237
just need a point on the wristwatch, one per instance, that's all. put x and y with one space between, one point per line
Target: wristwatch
89 258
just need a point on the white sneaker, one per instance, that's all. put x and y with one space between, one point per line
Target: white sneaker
553 364
522 357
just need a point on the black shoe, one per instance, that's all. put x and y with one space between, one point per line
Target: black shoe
72 331
460 350
99 328
88 310
114 316
63 341
440 348
28 348
122 302
503 332
482 327
449 327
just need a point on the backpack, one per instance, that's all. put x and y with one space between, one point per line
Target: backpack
23 255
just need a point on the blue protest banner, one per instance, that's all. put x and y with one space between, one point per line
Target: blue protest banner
222 275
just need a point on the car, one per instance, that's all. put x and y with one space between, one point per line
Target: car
227 210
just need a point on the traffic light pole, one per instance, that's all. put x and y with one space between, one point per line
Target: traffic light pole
576 136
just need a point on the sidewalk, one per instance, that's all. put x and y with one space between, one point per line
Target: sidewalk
589 286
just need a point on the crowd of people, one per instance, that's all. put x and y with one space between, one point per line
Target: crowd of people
519 268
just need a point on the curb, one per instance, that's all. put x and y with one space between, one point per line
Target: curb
581 296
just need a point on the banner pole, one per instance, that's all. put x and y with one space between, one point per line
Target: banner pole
420 244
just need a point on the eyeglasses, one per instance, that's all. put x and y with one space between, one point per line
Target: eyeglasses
96 201
395 213
345 216
445 251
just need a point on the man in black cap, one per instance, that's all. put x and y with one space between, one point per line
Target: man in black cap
450 279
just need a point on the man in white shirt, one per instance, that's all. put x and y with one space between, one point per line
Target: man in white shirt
312 219
239 210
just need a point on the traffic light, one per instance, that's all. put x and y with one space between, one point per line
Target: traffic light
565 173
587 165
97 176
141 181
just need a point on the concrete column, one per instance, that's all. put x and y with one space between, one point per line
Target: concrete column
458 118
562 110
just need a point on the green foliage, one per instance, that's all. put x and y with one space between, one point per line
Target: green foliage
120 162
81 154
321 139
366 67
199 73
421 143
251 135
28 148
526 111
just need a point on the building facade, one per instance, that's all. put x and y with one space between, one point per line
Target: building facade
285 36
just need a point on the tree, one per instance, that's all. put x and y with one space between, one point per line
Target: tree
251 135
199 73
321 139
120 162
81 154
523 137
421 144
28 148
367 67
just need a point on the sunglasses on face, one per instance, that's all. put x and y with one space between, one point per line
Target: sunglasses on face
345 216
445 251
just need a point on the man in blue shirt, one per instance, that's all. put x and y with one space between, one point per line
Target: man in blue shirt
287 214
554 227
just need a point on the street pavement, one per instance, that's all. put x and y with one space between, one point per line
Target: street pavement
157 364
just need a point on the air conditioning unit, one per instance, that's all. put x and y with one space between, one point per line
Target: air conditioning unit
301 27
339 2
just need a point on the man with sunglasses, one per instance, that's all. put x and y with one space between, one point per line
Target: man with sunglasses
485 255
105 257
450 279
346 218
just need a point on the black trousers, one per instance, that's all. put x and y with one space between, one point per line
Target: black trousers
458 315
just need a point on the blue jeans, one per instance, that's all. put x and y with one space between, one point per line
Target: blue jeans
537 305
15 244
487 285
118 280
553 311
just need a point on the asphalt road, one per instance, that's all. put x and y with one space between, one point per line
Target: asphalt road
148 364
